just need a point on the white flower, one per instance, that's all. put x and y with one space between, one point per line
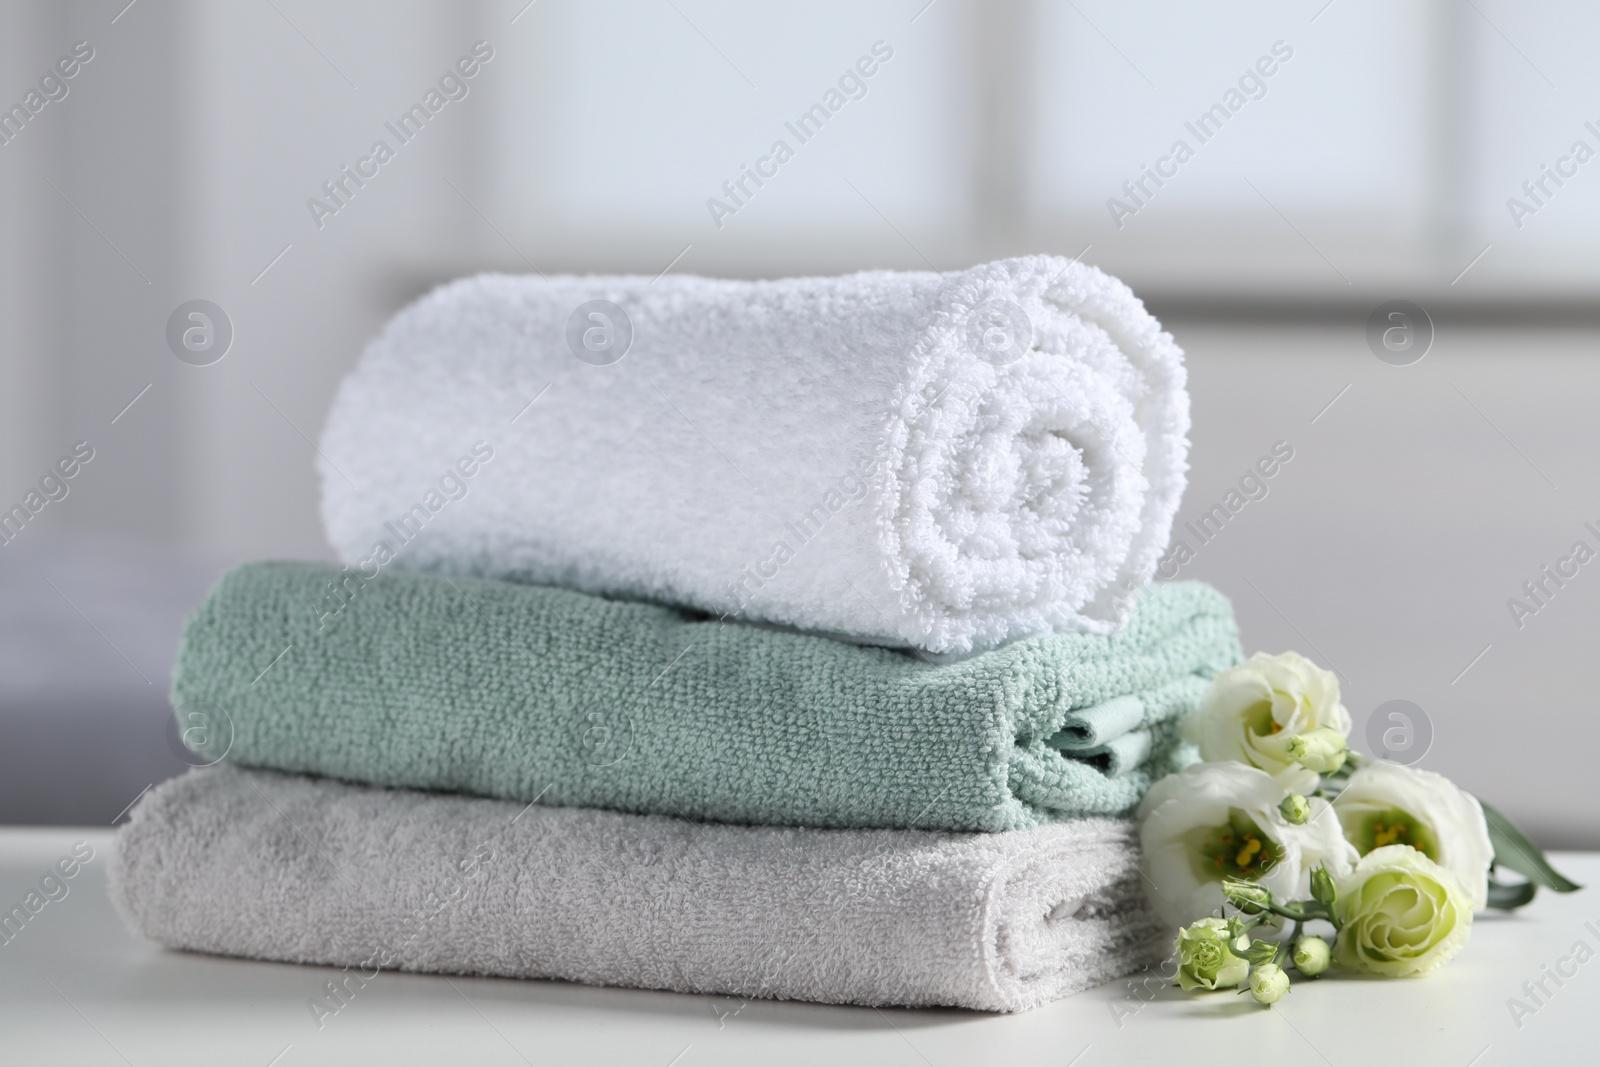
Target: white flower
1254 712
1387 804
1401 914
1220 820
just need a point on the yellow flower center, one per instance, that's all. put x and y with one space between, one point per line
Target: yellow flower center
1237 849
1394 827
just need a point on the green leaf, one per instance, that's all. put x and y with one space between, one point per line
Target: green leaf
1509 897
1513 849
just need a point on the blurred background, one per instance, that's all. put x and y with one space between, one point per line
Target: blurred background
1337 155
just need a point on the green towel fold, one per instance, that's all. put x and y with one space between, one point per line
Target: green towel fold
1119 735
531 693
1121 755
1099 724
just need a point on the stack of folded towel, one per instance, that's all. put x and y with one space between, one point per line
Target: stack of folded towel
783 639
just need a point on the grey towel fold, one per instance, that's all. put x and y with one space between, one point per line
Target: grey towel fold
307 870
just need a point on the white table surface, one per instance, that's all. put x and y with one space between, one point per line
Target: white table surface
77 988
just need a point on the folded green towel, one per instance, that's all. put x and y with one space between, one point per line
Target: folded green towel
531 693
1119 735
1099 724
1121 755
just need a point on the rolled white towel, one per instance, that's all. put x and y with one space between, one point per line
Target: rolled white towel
310 870
941 461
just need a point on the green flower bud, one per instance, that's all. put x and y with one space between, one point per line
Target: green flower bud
1312 956
1296 809
1205 958
1249 897
1322 887
1268 983
1259 952
1322 750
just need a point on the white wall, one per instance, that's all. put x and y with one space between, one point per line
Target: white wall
192 141
597 133
1414 508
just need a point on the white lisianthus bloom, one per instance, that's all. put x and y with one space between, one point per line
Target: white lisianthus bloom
1223 820
1388 804
1401 914
1255 712
1205 960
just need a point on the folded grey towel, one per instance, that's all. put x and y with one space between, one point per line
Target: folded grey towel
309 870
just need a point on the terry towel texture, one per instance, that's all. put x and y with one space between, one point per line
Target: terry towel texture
256 864
523 692
940 461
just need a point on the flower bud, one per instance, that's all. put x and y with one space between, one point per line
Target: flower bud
1322 750
1259 952
1322 887
1296 809
1311 956
1268 983
1248 897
